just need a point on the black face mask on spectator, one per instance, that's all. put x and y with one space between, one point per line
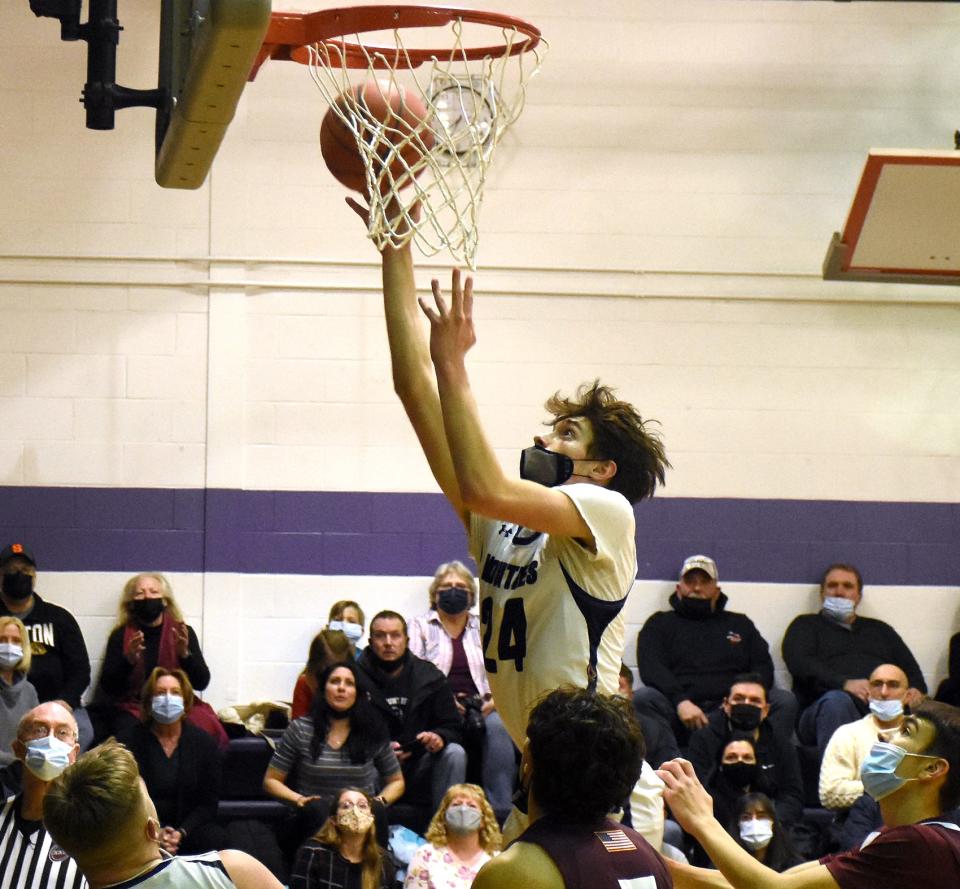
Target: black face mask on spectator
739 774
146 611
745 717
695 609
17 586
452 600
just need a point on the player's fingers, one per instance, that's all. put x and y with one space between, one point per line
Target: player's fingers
429 312
468 297
438 297
358 208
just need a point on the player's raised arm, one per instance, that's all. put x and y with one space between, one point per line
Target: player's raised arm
413 377
483 486
692 807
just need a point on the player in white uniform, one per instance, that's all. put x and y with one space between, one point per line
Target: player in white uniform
100 813
551 609
554 548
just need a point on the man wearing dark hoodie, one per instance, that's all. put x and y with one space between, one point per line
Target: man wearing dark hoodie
60 666
689 656
416 703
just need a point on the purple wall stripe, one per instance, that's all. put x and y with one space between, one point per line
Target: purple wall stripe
366 533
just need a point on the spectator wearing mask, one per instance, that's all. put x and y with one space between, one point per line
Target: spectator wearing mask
448 636
688 656
344 854
59 664
347 616
179 764
46 744
755 826
848 748
462 837
744 714
17 696
831 655
151 632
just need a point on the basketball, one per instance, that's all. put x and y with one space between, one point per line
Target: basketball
369 105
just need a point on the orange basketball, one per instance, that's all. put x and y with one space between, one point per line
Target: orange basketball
405 138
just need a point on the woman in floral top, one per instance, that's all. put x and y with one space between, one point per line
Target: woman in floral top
463 836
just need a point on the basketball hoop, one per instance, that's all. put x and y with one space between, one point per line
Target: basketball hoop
470 69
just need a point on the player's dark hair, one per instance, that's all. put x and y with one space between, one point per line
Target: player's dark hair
390 615
619 434
842 566
587 750
946 745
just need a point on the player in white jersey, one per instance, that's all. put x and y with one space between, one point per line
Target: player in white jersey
100 813
556 558
551 609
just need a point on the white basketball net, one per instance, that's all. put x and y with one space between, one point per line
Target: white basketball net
470 105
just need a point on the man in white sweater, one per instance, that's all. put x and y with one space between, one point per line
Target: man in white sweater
840 784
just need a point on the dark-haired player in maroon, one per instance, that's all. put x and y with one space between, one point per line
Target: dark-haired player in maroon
582 757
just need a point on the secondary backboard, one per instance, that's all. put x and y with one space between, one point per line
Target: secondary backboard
904 224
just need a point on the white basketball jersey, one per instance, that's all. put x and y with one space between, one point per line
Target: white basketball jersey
188 872
550 610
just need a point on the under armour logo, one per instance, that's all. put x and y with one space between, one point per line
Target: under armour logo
505 530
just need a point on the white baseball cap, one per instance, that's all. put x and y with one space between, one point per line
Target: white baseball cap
704 563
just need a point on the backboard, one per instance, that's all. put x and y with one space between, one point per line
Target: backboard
207 48
904 224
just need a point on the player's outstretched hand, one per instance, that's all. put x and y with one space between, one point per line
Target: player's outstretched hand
401 217
451 328
689 802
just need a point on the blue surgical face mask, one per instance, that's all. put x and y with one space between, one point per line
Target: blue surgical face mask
838 608
167 709
349 629
10 654
886 711
878 772
47 757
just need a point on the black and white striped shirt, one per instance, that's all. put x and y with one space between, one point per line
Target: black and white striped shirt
29 858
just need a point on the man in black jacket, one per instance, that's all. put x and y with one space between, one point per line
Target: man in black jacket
416 702
60 665
688 657
832 653
744 712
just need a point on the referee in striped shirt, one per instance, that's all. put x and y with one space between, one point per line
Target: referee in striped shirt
46 743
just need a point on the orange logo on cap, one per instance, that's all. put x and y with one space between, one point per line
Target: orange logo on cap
17 547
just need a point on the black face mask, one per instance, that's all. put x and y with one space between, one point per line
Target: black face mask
453 600
695 609
17 586
545 467
739 774
745 717
146 611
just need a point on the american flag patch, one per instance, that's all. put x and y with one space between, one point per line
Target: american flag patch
615 840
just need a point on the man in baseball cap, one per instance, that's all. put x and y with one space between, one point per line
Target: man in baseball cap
689 656
60 666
